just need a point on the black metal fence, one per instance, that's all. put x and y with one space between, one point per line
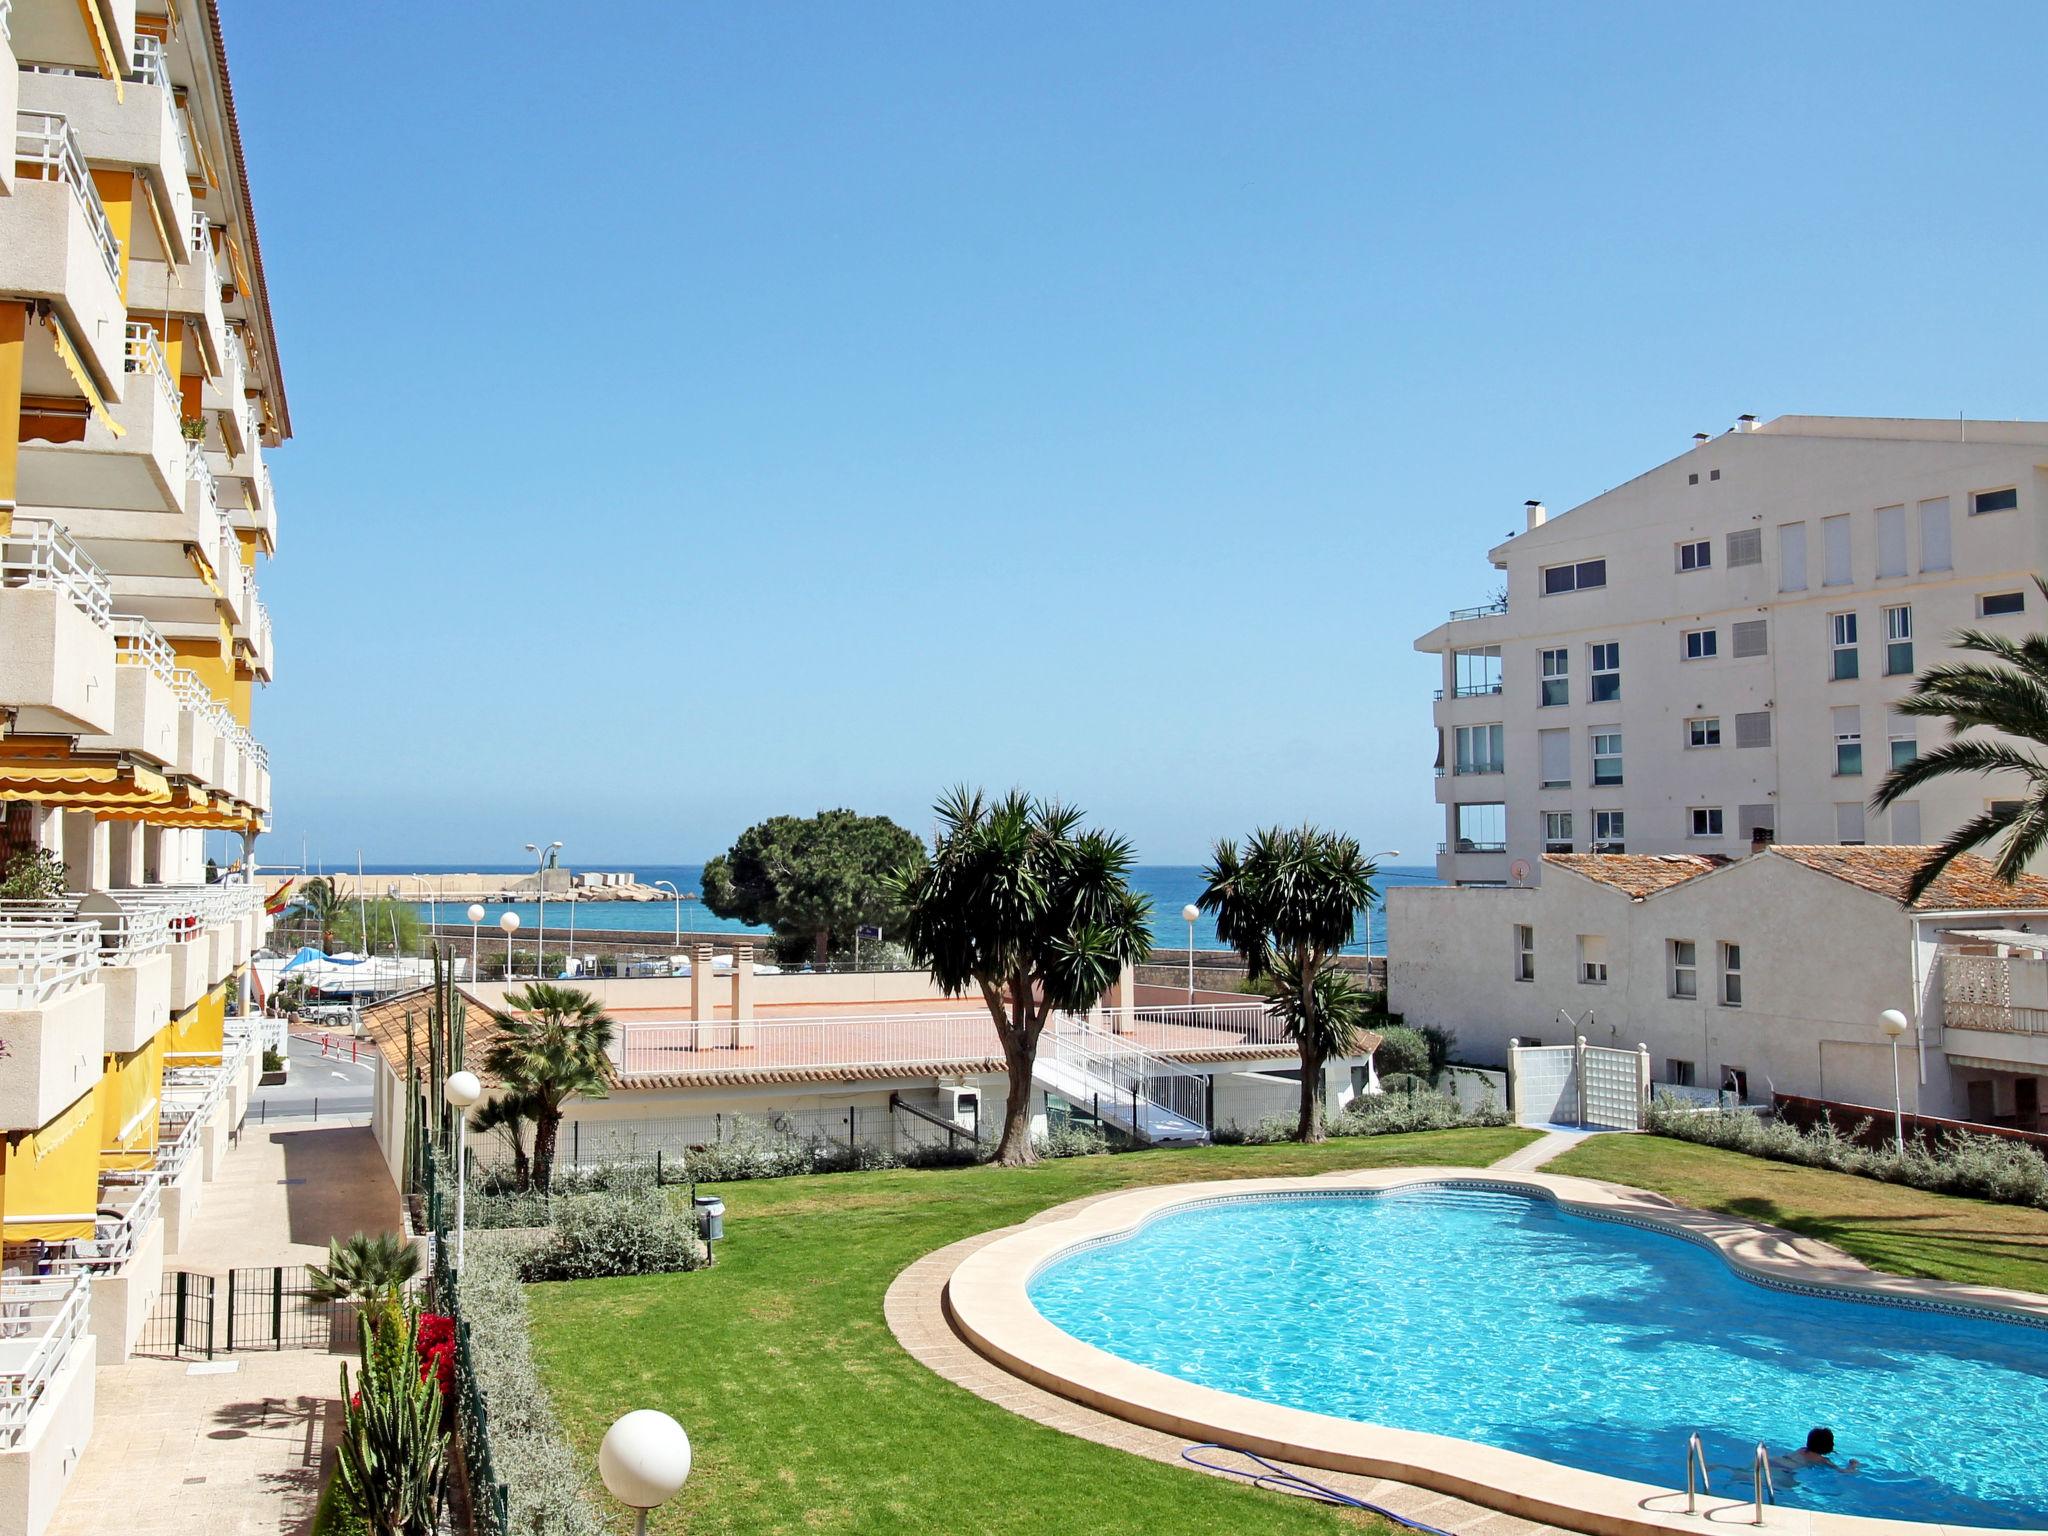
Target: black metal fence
181 1327
280 1308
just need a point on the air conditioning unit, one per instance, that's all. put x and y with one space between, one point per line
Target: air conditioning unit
959 1103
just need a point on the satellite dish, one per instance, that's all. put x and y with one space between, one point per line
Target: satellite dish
1519 870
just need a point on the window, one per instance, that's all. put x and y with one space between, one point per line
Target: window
1904 739
1706 820
1906 823
1848 726
2002 807
1752 637
1753 729
1680 1074
1609 834
1849 823
1557 686
1557 831
1891 541
1592 960
1842 631
2006 500
1525 952
1607 757
1478 749
1746 547
1606 671
1554 752
1898 641
1482 828
1702 644
1697 555
1475 673
1752 819
1934 534
1992 605
1792 557
1582 576
1834 551
1731 975
1685 969
1705 731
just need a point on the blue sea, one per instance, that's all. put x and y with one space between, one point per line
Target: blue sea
1171 887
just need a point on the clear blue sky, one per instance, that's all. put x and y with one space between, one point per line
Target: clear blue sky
707 411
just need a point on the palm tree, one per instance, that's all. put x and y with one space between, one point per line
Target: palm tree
508 1114
551 1047
320 900
2008 694
364 1268
1289 904
1019 902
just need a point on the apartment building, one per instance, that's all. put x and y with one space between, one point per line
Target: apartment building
1713 650
139 394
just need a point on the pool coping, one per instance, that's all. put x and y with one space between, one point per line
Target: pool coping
987 1303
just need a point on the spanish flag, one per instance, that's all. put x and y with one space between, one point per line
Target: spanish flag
280 898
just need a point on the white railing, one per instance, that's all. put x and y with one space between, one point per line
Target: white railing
7 19
133 934
145 355
114 1238
952 1038
252 421
42 960
44 142
196 468
138 644
42 1320
259 626
1148 1095
236 359
150 67
266 496
43 554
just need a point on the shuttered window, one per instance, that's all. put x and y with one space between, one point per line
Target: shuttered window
1906 823
1891 541
1849 822
1750 637
1834 544
1753 730
1555 753
1934 554
1752 819
1746 547
1792 557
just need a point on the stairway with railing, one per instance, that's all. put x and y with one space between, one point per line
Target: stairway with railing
1145 1096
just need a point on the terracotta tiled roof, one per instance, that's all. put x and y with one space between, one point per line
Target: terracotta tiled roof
1638 874
385 1024
1969 883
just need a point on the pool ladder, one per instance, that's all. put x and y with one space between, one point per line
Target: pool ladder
1697 1482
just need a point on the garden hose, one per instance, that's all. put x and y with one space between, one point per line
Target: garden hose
1280 1480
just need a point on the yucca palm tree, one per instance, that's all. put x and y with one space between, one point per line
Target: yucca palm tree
508 1114
2007 694
550 1048
364 1268
1022 904
1288 904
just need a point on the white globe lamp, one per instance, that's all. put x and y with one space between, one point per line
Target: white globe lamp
510 923
476 913
461 1090
1895 1024
644 1459
1188 914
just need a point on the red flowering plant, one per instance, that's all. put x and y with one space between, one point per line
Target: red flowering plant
435 1344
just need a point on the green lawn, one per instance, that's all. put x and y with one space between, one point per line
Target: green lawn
807 1416
1887 1226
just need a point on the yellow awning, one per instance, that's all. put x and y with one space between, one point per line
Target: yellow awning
54 778
241 269
102 44
156 217
67 354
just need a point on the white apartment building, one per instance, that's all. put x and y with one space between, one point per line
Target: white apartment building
1713 649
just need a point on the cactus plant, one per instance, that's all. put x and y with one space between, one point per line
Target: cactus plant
393 1454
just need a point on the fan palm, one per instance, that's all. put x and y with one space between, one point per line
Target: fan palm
319 899
364 1268
1022 904
508 1115
2007 694
550 1048
1288 904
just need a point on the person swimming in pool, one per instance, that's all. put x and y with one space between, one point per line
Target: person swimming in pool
1819 1451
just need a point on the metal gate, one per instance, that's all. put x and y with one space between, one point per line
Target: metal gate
278 1308
182 1324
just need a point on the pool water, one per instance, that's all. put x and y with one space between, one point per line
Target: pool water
1499 1318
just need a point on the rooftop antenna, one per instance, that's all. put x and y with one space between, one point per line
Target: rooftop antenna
1963 424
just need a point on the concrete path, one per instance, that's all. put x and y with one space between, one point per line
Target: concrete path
1553 1144
238 1446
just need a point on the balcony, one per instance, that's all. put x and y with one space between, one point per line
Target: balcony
1482 611
198 728
46 1392
227 392
245 483
140 473
145 698
56 632
190 288
10 90
1994 1003
135 968
52 1016
122 1262
56 244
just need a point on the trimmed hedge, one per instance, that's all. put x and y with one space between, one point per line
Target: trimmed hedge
1383 1114
595 1237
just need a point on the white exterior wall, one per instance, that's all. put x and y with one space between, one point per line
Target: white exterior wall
1793 469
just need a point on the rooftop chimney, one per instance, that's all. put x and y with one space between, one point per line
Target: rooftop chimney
1761 838
1745 423
1538 513
1699 439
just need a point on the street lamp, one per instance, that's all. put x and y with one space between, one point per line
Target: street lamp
461 1090
510 923
476 916
540 894
669 886
1188 914
1894 1024
644 1459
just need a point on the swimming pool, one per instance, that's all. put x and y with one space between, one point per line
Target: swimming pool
1500 1318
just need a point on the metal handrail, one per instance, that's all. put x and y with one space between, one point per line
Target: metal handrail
143 354
53 1311
1760 1472
151 67
108 1249
7 19
36 553
197 468
44 141
1483 610
1696 1463
43 959
137 643
1132 1078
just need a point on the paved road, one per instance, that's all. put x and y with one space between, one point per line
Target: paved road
321 1086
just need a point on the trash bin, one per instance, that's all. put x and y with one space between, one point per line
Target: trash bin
710 1217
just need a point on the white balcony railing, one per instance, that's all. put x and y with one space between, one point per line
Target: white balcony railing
7 20
145 355
42 1321
148 65
43 554
41 960
197 469
138 644
115 1238
45 149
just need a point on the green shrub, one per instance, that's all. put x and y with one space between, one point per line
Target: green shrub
529 1452
32 874
640 1232
759 1150
1401 1050
1381 1114
273 1061
1070 1140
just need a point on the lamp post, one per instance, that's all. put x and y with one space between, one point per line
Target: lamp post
1188 914
644 1459
1894 1024
461 1090
1384 853
669 886
476 917
540 894
510 923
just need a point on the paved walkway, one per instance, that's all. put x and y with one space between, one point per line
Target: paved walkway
238 1446
1551 1145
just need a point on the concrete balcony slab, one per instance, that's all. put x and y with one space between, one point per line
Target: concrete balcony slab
134 131
48 251
53 1054
56 663
141 471
138 1000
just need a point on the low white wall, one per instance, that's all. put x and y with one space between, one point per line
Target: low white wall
122 1302
35 1471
